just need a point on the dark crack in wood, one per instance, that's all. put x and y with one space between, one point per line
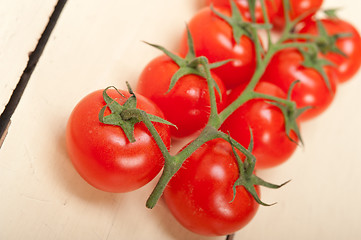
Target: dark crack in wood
32 62
230 237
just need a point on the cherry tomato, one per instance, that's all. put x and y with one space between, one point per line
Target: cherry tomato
272 7
346 66
271 144
213 39
187 105
102 154
311 90
306 8
200 194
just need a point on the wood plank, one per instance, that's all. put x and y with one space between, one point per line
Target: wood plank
21 25
97 44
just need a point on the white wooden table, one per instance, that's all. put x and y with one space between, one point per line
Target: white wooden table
98 43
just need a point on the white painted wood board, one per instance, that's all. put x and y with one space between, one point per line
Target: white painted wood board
21 25
98 43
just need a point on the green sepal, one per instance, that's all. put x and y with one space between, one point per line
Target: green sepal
157 119
331 13
290 116
132 100
250 163
252 9
115 119
246 178
220 63
182 71
131 103
113 105
327 43
177 59
191 54
238 25
260 182
125 116
313 61
291 113
190 64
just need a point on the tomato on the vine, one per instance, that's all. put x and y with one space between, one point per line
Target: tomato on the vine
272 7
312 90
271 145
343 51
304 8
103 155
200 194
187 105
213 38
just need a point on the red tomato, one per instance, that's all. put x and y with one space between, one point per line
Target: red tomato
271 144
298 7
346 67
213 39
271 5
102 154
187 104
200 194
286 67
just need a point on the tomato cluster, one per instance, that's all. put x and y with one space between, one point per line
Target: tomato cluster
242 102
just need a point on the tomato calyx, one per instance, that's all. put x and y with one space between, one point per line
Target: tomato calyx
247 178
291 113
126 115
327 43
191 64
239 26
312 60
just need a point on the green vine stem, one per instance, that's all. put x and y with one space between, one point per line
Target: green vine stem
210 132
200 66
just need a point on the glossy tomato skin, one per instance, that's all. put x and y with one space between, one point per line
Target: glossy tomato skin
200 193
298 8
271 144
213 39
311 90
346 67
101 153
187 105
271 5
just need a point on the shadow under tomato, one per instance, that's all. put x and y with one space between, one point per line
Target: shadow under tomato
74 184
172 228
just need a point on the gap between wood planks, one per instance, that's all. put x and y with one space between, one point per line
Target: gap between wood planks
5 117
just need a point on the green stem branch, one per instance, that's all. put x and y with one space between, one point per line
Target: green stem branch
173 163
266 21
210 132
213 118
129 113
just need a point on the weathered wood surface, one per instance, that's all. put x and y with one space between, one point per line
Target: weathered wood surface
99 43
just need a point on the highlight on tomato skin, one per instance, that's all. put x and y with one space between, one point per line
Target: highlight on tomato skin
271 145
213 38
200 195
187 104
346 65
272 7
102 154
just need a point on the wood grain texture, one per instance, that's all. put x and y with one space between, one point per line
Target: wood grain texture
99 43
21 25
